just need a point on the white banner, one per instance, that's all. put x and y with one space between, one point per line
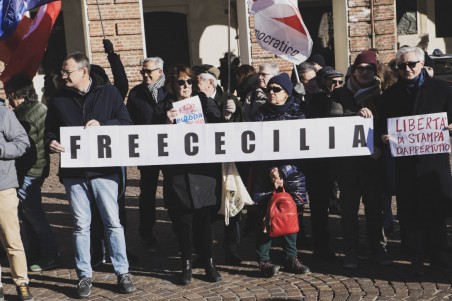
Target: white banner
419 135
221 142
279 29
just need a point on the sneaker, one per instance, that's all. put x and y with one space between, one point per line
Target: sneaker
125 284
23 291
382 257
84 287
350 260
294 265
46 264
268 269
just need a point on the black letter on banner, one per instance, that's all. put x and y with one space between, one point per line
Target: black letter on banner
74 146
191 151
332 138
162 144
359 137
276 141
103 143
219 143
303 145
133 146
246 147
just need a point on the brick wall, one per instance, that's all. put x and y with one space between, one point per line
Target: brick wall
360 30
122 26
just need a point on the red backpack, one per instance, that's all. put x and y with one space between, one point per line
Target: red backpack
282 215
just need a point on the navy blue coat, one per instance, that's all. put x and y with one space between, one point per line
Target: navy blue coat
103 103
294 179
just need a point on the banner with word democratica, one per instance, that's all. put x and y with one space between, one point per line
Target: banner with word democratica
419 135
137 145
280 29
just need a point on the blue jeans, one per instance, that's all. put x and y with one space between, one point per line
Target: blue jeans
40 238
103 191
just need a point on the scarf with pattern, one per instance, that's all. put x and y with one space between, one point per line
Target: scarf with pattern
153 88
365 97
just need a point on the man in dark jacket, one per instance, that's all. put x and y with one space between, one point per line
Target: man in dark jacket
141 105
424 183
85 103
32 169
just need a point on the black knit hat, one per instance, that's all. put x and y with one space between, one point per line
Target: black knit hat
284 81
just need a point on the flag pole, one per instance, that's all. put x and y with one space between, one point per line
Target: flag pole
229 47
296 72
101 22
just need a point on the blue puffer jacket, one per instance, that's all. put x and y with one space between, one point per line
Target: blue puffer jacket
294 180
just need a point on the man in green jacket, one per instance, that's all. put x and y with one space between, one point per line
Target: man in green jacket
32 169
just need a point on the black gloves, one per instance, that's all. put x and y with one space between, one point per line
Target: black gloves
108 46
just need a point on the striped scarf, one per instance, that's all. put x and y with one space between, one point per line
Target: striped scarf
153 88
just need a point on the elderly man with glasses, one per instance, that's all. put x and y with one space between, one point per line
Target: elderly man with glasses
424 183
84 102
141 105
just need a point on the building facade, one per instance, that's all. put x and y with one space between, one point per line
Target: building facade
201 32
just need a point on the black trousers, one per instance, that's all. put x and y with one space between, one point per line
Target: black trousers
190 222
148 189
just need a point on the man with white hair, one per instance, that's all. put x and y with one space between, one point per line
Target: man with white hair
229 105
141 104
256 98
424 182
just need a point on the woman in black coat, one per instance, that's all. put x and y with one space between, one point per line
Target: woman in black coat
190 190
358 177
424 183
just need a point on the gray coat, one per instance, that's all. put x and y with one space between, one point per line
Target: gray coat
13 144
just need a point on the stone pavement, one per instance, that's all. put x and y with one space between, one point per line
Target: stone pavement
156 272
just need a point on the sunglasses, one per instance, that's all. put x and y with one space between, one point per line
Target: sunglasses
274 89
182 82
337 82
363 69
411 65
148 71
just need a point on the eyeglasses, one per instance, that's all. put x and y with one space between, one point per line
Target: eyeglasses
274 89
182 82
411 65
148 71
67 72
368 69
337 82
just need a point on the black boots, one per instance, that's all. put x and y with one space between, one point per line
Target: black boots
186 272
211 272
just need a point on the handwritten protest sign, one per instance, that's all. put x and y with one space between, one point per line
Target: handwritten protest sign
190 111
419 135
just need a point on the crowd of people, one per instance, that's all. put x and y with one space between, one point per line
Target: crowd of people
192 192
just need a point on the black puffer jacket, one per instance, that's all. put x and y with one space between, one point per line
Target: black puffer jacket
294 179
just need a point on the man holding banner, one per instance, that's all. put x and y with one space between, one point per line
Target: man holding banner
424 182
83 102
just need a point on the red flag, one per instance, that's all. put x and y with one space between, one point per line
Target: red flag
28 54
